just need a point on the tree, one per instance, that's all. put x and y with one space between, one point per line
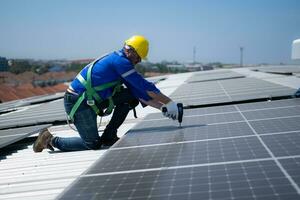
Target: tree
19 66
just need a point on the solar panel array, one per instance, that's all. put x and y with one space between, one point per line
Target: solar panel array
285 70
230 90
213 76
43 113
28 101
10 136
245 151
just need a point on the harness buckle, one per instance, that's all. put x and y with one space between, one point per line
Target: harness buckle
90 102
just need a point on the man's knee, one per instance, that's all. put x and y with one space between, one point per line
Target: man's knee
93 145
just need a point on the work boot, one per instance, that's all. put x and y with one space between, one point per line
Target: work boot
108 138
43 142
110 141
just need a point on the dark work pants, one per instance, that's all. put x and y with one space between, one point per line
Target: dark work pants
124 101
85 120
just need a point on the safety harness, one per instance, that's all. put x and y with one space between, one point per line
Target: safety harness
91 93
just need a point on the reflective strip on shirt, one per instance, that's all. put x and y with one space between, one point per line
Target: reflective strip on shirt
128 73
80 78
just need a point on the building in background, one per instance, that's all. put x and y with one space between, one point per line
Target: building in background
3 64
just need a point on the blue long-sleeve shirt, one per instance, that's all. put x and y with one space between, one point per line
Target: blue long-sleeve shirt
112 67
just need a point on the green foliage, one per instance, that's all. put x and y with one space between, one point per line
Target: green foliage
141 69
162 67
76 67
20 66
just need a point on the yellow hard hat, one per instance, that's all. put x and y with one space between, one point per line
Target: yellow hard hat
140 44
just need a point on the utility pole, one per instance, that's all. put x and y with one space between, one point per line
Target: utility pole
194 55
241 58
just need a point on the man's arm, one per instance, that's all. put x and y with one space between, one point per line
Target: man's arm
158 100
165 104
159 97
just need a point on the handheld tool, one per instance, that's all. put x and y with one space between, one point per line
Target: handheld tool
180 112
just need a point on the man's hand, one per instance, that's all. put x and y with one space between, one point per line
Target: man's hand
170 110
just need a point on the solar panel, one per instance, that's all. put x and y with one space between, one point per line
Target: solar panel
286 70
276 125
249 180
191 120
202 77
294 103
180 154
10 136
273 113
292 166
220 152
28 101
206 93
138 137
44 113
283 144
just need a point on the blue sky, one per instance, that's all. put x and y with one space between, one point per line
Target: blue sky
73 29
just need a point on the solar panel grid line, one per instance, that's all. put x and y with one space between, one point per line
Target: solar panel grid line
292 165
214 176
270 118
177 136
276 125
273 108
200 95
214 86
287 157
179 154
210 139
278 133
249 120
269 104
279 113
233 98
294 184
219 98
221 113
224 90
183 166
181 142
213 79
283 144
191 116
244 83
270 92
194 96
